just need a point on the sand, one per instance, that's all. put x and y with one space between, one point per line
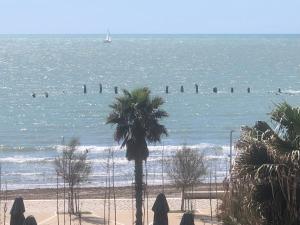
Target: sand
44 209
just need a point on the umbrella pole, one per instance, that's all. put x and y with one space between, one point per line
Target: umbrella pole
210 204
146 190
162 170
216 190
57 210
104 203
0 190
132 209
109 178
70 218
5 205
113 183
64 178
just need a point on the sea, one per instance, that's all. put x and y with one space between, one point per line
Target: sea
33 131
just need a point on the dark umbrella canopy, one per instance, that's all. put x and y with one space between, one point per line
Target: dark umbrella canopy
30 220
160 209
16 212
187 219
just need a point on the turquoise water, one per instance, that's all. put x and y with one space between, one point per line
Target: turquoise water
32 129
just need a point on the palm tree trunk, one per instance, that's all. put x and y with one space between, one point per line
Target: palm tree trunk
139 191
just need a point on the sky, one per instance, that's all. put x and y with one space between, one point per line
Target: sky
149 16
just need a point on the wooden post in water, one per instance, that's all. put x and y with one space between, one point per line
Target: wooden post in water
167 89
181 89
116 90
100 88
231 90
248 90
84 89
197 88
215 90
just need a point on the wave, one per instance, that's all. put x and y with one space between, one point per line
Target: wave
291 92
152 148
100 148
98 154
25 160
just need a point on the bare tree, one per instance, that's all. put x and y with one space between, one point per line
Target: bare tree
185 169
73 167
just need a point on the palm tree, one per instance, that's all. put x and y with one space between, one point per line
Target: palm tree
265 186
136 116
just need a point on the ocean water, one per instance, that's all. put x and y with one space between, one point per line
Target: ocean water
32 129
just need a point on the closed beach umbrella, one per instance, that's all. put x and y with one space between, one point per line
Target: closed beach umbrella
160 209
30 220
187 219
17 212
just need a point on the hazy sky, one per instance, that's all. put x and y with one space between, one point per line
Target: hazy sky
149 16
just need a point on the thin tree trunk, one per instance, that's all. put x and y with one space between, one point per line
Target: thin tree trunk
139 191
182 200
72 199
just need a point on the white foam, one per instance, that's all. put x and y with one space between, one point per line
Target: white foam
25 160
153 148
290 91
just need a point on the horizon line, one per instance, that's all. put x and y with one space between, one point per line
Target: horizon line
150 33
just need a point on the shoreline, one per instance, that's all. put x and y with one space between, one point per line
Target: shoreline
99 192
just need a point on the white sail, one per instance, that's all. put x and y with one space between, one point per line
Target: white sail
108 38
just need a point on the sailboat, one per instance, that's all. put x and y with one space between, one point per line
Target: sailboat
108 38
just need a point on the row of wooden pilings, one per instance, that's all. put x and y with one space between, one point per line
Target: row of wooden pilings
215 89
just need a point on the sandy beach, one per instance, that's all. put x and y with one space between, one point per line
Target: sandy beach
42 204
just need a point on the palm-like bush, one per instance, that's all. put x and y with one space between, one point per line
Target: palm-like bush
265 184
136 116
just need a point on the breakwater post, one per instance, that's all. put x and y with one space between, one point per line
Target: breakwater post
167 89
100 88
33 95
84 89
215 90
46 94
248 90
197 88
279 90
231 90
181 89
116 90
